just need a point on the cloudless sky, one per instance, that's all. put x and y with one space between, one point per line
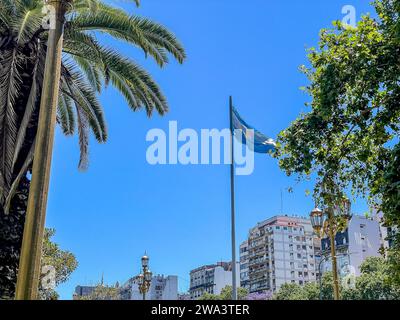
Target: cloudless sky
122 206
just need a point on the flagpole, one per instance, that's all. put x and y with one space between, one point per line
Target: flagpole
233 236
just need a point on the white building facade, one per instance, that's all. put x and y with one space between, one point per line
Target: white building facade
161 288
244 265
278 250
211 279
362 239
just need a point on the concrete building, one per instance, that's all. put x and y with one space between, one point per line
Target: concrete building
184 296
278 250
362 239
161 288
244 265
211 279
82 291
387 234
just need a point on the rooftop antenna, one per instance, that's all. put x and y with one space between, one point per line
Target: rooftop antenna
281 202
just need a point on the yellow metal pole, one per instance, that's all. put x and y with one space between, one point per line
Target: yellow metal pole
29 265
333 255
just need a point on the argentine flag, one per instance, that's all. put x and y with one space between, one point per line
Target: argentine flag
251 136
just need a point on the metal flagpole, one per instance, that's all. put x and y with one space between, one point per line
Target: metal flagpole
233 236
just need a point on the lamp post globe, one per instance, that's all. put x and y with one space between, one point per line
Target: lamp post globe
148 275
317 220
145 261
140 279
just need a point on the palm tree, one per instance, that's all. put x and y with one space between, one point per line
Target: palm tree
87 66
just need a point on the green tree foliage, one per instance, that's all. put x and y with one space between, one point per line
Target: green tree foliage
349 139
63 262
290 291
208 296
293 291
373 284
103 292
226 294
89 65
391 207
11 230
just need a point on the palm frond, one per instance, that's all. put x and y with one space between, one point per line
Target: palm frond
65 114
153 38
84 97
31 105
90 66
92 73
10 81
27 23
83 133
14 186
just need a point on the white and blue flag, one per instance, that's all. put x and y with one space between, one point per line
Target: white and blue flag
251 136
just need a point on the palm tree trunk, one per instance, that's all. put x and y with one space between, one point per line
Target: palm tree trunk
31 251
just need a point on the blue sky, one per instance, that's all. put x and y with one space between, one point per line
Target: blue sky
122 206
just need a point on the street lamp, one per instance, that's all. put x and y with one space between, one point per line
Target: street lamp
317 220
144 279
329 223
145 261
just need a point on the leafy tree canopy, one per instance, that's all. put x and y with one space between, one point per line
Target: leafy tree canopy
373 284
102 292
63 262
89 64
226 294
349 138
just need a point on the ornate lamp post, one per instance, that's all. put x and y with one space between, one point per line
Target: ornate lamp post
144 279
329 223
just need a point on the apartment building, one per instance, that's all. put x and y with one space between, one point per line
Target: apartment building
161 288
211 279
279 250
361 239
244 265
